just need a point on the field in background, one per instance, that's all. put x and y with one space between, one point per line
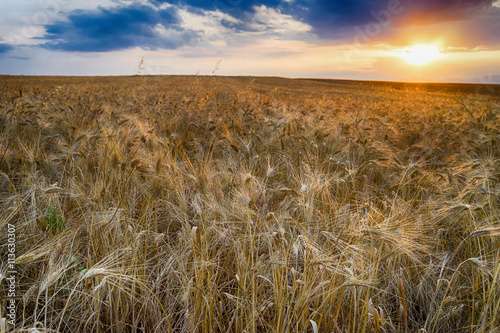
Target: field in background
234 204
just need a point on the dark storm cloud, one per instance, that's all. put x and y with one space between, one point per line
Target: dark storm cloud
115 29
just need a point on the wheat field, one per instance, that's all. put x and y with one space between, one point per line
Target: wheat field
238 204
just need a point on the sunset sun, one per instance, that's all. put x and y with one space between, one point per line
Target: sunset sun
421 54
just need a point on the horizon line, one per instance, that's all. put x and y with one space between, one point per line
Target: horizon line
251 76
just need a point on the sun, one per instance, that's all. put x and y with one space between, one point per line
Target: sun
421 54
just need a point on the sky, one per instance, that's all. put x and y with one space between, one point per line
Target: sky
402 40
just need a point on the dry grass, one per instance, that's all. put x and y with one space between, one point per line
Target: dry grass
201 204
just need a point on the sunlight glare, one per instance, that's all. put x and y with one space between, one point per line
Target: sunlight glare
421 54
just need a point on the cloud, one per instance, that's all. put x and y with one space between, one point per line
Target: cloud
483 29
432 12
236 8
4 48
336 19
110 29
327 17
479 31
267 22
467 23
270 19
170 24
